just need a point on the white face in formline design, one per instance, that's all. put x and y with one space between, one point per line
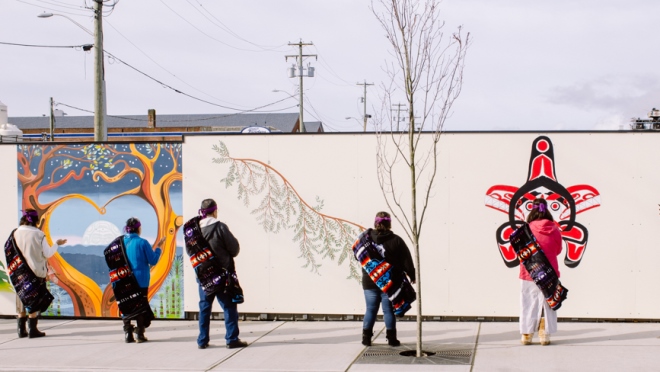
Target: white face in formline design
100 233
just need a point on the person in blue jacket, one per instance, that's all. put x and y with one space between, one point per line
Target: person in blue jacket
140 256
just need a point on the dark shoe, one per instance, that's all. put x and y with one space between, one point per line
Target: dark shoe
236 344
33 332
202 346
139 335
128 333
22 332
391 337
366 337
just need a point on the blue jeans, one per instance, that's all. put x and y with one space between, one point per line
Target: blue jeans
231 316
372 298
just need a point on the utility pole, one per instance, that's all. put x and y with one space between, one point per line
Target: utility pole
292 73
364 100
100 132
398 113
52 121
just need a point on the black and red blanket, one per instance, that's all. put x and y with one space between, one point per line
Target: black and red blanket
130 298
211 275
539 268
30 289
372 258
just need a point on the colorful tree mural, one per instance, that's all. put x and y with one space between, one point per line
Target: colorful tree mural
5 284
153 166
282 207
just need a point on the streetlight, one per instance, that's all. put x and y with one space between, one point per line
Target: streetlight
354 118
100 131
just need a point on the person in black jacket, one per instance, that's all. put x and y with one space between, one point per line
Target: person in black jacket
225 247
398 255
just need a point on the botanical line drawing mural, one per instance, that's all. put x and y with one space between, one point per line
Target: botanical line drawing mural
281 207
82 183
564 204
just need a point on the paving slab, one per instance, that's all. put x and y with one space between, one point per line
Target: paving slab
301 346
576 346
98 344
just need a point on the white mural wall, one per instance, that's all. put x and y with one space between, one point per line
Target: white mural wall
263 183
462 269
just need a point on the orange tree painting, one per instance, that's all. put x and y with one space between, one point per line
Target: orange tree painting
96 187
282 207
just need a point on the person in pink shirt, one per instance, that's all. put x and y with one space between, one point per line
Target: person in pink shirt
535 313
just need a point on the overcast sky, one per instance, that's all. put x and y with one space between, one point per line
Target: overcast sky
533 65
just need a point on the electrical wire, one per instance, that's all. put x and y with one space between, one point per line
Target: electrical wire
324 63
163 120
204 33
45 46
164 69
57 10
64 5
186 94
225 28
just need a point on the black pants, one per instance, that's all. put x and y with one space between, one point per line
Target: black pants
143 320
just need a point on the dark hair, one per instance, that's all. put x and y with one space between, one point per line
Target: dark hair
30 217
383 222
208 207
132 225
539 211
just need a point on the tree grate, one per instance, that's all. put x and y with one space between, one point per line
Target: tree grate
438 354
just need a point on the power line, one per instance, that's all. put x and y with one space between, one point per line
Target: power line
204 33
228 30
48 46
64 5
164 120
186 94
57 10
166 70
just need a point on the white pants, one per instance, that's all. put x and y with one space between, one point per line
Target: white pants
532 303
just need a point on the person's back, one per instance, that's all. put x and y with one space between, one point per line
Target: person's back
222 241
225 247
535 313
549 237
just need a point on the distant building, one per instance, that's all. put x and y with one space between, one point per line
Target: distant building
155 128
652 123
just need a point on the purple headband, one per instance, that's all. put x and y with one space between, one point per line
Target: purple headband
540 207
205 212
133 227
381 219
32 216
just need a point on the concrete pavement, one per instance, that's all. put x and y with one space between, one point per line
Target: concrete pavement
97 345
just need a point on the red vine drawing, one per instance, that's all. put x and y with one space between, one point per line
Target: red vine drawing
282 207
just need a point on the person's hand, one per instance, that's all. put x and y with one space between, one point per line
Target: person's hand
60 241
160 242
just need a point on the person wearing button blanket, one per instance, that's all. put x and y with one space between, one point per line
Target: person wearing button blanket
33 245
398 255
535 313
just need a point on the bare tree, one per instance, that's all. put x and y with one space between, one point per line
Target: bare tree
427 71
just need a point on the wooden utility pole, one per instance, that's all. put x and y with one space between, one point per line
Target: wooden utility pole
52 121
299 59
364 100
100 132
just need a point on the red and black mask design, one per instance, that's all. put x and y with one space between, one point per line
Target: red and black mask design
564 203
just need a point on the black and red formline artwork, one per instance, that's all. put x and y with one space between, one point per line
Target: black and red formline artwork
565 203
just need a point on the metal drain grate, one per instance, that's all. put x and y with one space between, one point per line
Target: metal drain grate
455 353
439 354
377 353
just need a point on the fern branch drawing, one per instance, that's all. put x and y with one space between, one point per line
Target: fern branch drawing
319 236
